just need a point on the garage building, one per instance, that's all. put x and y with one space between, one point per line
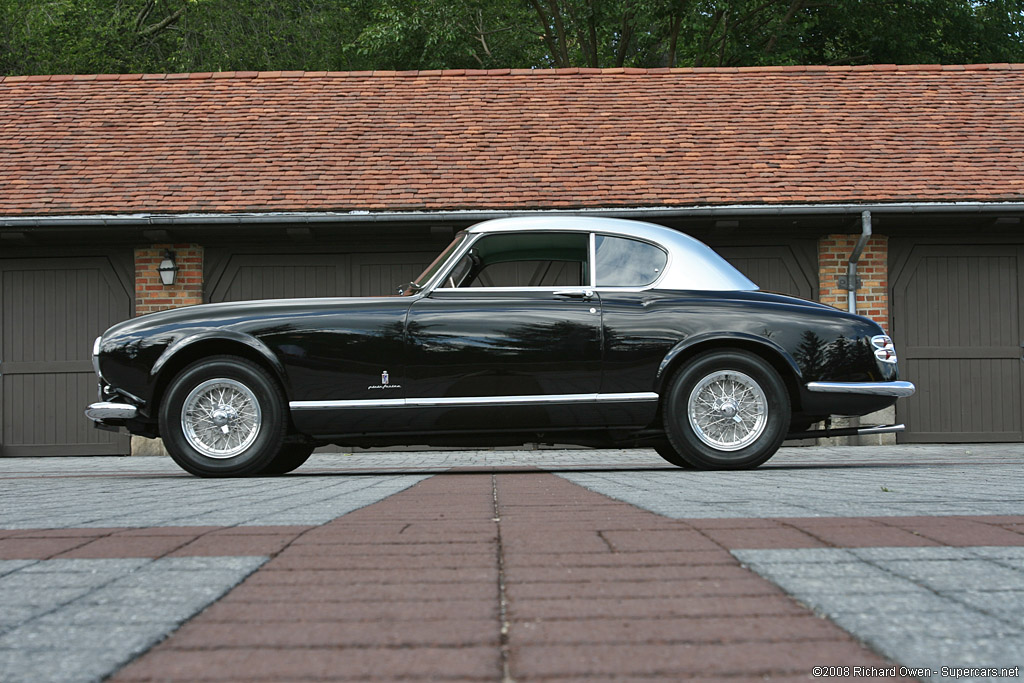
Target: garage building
337 184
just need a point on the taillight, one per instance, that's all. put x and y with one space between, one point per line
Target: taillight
885 350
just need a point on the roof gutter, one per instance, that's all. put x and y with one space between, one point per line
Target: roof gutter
655 213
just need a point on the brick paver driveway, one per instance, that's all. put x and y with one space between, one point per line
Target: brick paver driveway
583 565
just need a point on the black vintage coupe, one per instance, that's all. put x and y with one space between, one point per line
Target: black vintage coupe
571 330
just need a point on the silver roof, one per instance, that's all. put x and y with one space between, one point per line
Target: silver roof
691 263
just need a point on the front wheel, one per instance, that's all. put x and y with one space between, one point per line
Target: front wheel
290 457
223 417
727 410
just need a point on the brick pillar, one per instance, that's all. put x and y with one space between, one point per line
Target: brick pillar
872 302
151 294
873 268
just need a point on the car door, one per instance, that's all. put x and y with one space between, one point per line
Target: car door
511 340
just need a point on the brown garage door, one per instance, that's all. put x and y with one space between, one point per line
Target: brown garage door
52 309
783 269
261 276
957 324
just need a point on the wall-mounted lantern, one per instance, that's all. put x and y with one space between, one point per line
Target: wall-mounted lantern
168 268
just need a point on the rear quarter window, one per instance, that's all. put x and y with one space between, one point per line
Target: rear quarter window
623 262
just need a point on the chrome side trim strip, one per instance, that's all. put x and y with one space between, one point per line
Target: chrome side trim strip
553 399
331 405
110 411
899 389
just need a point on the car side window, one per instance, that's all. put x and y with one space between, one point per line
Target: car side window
523 260
622 262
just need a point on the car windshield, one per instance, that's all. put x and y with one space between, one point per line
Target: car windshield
432 269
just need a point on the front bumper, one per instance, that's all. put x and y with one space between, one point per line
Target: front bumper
105 410
895 389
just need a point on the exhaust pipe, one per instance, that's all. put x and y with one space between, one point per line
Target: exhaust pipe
847 431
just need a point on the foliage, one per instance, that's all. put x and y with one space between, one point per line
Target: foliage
96 36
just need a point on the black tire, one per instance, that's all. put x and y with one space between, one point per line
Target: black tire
290 457
740 411
666 451
223 393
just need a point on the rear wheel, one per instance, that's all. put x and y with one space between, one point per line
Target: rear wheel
223 417
666 451
727 410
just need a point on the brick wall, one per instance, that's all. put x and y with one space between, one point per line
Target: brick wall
873 295
151 294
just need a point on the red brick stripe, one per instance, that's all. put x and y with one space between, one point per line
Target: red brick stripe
413 587
154 542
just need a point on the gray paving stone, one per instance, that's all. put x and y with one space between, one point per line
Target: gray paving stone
841 569
188 501
57 580
158 595
1005 605
952 623
954 618
947 574
8 566
116 566
88 635
917 553
15 615
52 636
920 600
984 489
100 615
169 565
807 556
71 666
41 596
965 652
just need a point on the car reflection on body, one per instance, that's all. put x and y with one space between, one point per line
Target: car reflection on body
571 330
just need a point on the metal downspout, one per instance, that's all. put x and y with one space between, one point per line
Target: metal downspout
852 285
852 282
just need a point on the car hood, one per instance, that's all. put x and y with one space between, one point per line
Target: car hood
235 313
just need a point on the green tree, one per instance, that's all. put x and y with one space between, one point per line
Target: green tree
88 36
95 36
443 34
255 35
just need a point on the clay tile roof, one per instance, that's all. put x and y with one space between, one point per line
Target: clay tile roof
501 139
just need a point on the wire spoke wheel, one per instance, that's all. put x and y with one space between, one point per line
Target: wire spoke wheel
727 410
221 418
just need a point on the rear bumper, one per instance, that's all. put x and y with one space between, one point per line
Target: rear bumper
894 389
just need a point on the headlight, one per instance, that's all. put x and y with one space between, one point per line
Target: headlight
885 350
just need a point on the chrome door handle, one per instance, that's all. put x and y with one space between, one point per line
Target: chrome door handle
585 294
